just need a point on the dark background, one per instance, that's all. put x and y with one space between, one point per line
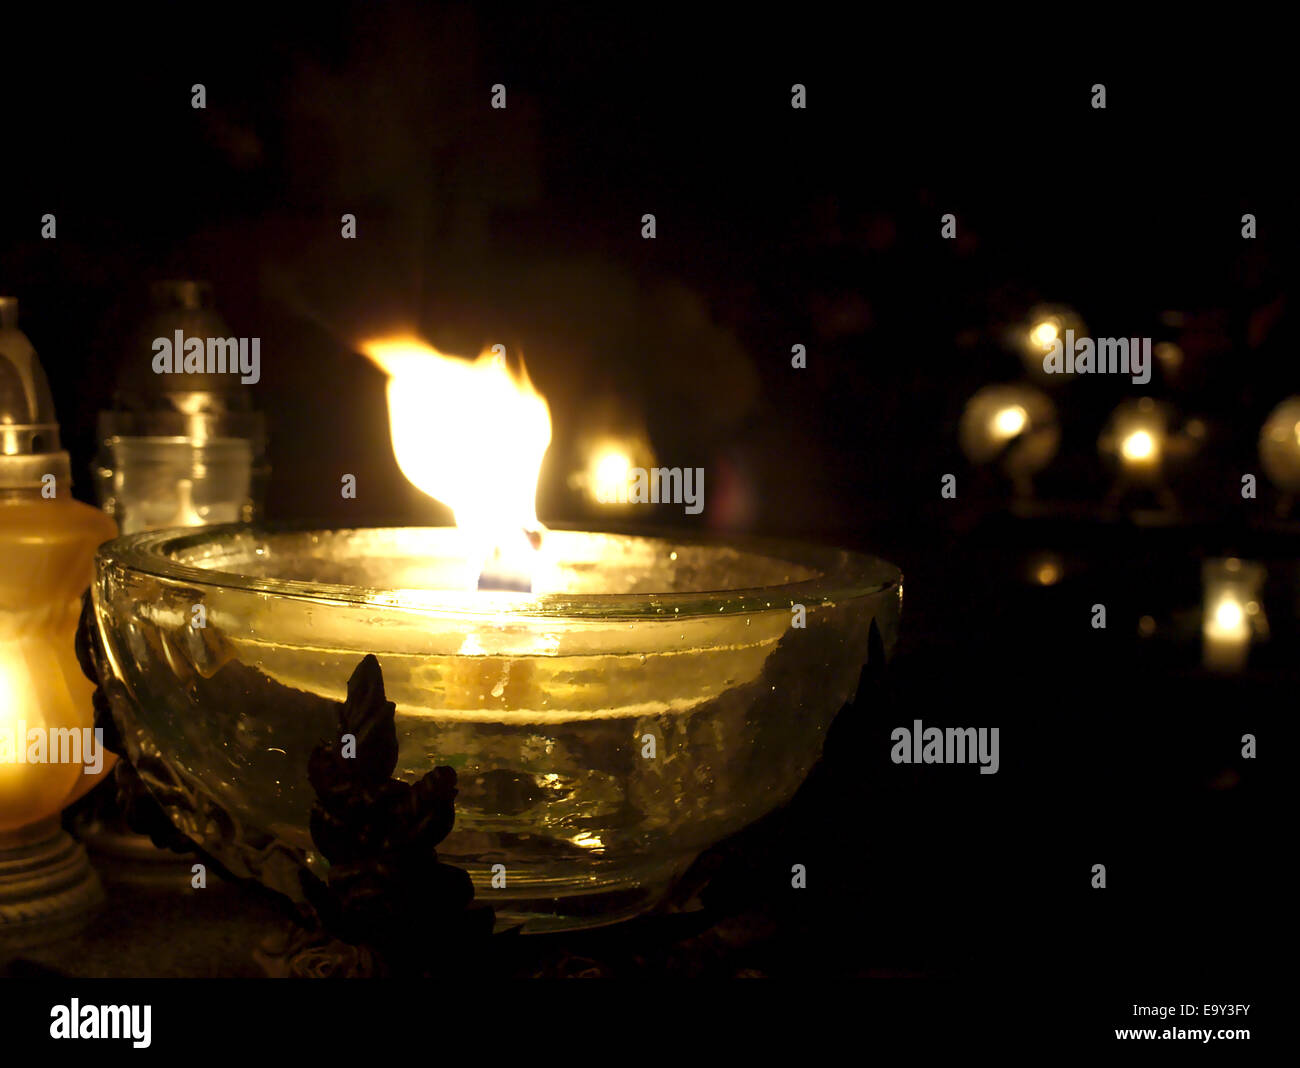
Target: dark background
775 227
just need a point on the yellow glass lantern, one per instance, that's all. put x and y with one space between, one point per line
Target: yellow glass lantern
49 754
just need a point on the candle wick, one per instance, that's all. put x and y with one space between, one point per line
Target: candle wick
502 572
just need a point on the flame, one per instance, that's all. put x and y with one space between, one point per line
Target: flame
470 433
611 471
1229 615
1139 446
608 460
1010 421
1044 333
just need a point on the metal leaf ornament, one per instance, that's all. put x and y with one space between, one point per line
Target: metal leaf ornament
385 886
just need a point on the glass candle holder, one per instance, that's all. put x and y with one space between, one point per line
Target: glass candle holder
1279 451
1232 614
1033 338
1014 426
666 694
47 745
151 481
180 449
1143 439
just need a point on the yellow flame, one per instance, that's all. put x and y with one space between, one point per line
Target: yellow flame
1010 421
1139 446
15 701
1229 615
1043 334
1048 573
27 791
610 474
470 433
607 461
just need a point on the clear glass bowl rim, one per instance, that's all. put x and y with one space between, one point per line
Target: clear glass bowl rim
842 575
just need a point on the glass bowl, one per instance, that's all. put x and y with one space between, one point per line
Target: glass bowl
602 736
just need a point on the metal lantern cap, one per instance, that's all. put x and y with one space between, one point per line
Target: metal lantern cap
29 430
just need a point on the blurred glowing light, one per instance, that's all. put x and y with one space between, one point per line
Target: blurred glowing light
1279 446
1228 615
1010 421
1233 616
1169 355
610 471
1138 446
1043 334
